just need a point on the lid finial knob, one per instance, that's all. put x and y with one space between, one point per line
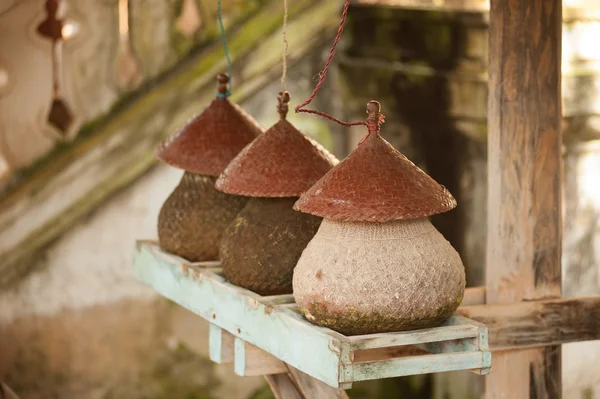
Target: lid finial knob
223 85
282 106
375 118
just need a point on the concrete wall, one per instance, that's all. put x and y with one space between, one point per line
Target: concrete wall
83 328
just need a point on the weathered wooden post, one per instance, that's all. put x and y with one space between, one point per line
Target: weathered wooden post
524 196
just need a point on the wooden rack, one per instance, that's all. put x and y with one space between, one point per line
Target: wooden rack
261 333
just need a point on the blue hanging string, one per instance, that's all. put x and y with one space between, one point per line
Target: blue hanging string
228 93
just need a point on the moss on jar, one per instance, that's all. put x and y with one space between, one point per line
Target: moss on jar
192 220
261 247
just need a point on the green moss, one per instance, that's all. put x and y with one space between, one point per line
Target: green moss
192 220
350 321
261 247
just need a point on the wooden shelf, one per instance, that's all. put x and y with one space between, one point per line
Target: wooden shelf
263 334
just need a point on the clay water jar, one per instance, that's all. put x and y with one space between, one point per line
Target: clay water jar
192 220
260 249
377 264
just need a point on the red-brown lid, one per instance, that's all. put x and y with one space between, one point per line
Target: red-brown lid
282 162
375 183
210 140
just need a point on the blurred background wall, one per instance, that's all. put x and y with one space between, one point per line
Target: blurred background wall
78 187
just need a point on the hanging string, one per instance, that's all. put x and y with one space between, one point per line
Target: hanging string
372 125
285 45
224 39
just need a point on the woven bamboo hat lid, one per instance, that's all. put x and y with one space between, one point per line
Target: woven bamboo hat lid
211 139
282 162
375 183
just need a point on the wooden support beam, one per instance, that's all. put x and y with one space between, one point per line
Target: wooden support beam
252 361
524 172
473 296
283 387
312 388
445 5
248 360
571 9
220 345
285 381
297 385
538 323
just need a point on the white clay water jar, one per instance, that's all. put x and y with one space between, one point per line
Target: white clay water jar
362 277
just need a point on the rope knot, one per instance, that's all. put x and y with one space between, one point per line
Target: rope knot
282 103
374 120
223 85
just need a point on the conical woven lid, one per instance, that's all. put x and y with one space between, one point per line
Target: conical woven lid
282 162
375 183
210 140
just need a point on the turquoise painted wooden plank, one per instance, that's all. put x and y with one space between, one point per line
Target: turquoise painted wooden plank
215 343
275 325
285 335
487 363
417 365
482 344
220 345
436 334
479 343
240 357
253 361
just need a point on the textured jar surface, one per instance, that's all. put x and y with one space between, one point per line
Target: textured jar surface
261 247
192 220
363 278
